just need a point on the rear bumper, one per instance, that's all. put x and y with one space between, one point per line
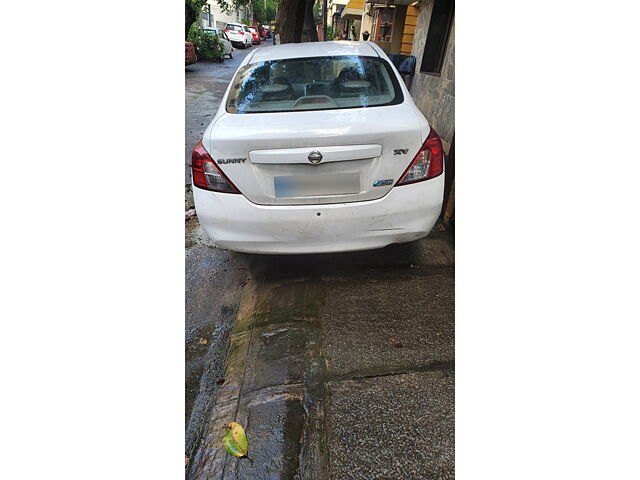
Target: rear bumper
405 214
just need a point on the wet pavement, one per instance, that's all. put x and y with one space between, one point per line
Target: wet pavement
338 366
213 276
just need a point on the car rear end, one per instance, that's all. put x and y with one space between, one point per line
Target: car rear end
255 35
318 154
236 35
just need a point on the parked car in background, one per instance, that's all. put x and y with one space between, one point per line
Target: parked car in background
222 35
255 35
267 32
317 147
247 31
190 56
238 36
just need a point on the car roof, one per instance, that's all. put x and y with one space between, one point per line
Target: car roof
313 49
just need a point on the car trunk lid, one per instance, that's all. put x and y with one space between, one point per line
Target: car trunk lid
315 157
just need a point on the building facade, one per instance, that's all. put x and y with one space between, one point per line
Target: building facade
214 16
433 86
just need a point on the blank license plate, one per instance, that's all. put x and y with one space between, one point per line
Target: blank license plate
317 185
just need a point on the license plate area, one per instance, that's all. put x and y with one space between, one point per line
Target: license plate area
316 185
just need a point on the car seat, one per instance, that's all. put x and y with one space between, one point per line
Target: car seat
287 94
351 74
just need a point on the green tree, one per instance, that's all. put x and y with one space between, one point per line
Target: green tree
264 11
230 5
192 9
317 11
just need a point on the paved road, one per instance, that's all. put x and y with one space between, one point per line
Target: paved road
339 366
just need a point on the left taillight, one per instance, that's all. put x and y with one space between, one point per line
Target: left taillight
428 163
206 173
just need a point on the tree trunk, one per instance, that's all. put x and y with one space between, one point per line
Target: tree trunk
309 32
190 16
290 20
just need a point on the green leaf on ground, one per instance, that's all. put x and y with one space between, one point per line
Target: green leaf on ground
235 441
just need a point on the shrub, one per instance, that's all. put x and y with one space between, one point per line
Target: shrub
208 45
330 32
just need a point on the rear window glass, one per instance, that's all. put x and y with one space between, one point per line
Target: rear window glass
318 83
236 28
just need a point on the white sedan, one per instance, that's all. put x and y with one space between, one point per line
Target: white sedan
317 147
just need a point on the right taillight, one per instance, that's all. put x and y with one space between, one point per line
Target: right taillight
428 163
206 173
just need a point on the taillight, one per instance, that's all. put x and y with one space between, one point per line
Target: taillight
206 173
428 163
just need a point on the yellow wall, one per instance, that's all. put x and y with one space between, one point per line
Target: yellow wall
410 22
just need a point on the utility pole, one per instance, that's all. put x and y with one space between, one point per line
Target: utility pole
324 20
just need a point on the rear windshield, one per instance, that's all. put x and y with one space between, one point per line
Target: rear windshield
318 83
237 28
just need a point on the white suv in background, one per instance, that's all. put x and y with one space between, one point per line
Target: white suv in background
239 35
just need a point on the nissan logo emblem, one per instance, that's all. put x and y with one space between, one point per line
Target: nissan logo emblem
315 157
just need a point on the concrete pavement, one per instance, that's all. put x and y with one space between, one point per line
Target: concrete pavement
341 366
